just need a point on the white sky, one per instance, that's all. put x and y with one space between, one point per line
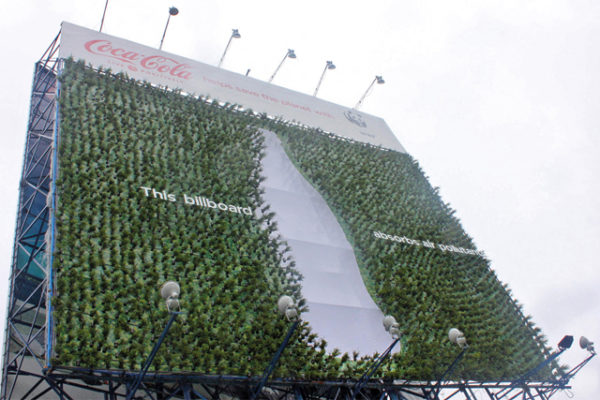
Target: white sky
498 100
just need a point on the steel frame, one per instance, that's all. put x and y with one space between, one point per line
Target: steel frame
113 385
27 372
26 335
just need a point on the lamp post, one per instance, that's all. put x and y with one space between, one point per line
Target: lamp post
286 307
290 54
563 345
103 15
379 80
170 292
172 11
328 65
390 325
585 344
458 338
235 34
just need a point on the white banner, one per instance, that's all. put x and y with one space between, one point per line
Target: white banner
161 68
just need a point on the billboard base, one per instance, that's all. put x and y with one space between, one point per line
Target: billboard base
107 384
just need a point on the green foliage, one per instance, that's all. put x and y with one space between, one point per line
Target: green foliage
429 291
115 245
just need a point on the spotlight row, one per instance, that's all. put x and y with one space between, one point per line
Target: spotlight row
235 34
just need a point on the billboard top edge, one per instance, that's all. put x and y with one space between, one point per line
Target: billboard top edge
166 69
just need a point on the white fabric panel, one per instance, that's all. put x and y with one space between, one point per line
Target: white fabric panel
341 311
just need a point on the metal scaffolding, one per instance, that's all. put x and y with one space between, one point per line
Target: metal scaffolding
27 372
113 385
26 335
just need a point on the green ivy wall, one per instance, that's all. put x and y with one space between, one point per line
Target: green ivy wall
115 245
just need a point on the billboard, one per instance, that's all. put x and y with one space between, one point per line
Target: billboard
242 207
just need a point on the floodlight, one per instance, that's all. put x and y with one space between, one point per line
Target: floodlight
388 322
328 65
170 289
172 12
291 313
565 342
391 325
172 304
585 344
284 303
235 34
170 292
457 337
289 54
287 307
379 80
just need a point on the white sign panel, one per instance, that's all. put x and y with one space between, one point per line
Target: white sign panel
161 68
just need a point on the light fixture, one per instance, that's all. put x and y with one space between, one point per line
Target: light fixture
585 344
457 337
287 307
566 342
235 34
290 54
172 12
391 326
328 65
170 292
379 80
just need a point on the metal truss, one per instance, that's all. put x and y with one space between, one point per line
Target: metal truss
26 335
113 385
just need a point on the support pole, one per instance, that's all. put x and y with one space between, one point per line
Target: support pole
103 15
278 67
521 381
437 387
367 375
146 366
564 380
164 33
274 360
225 52
320 80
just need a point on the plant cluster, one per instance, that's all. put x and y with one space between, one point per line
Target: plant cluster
427 290
115 246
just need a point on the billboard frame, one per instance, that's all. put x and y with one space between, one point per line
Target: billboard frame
26 358
26 344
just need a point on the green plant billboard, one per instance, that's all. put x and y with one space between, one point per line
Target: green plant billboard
241 207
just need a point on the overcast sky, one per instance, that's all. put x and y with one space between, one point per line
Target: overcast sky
498 100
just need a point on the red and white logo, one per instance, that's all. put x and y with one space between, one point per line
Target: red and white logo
135 61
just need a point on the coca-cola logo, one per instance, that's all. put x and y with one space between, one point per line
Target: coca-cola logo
135 60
